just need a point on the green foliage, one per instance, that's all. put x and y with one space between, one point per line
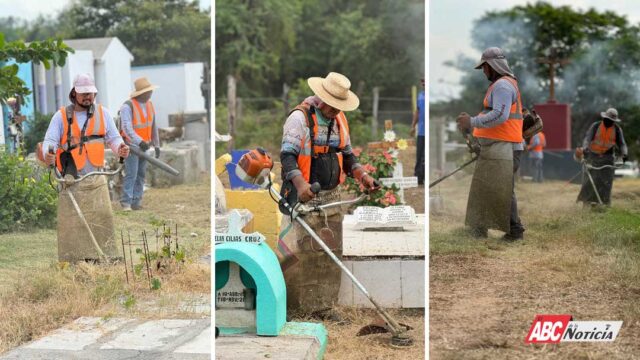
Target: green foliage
28 201
378 164
36 130
47 52
602 50
129 300
155 284
268 43
106 288
155 32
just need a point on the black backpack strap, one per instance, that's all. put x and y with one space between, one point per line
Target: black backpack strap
69 113
90 112
311 124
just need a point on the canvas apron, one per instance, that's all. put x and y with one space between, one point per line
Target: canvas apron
603 180
312 278
489 205
74 241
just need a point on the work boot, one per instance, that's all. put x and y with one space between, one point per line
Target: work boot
126 207
136 207
511 237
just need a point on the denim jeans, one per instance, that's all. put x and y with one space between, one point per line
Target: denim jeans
134 168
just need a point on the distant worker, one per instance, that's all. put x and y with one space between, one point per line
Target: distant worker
498 128
138 123
316 148
418 120
602 142
536 146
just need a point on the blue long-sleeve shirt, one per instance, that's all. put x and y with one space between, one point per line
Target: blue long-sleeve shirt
126 121
56 128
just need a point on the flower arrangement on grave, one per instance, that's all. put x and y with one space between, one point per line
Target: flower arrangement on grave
378 164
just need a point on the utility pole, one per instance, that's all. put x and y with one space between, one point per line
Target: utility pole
231 109
552 61
374 120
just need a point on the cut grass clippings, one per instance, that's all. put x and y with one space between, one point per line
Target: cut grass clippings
485 293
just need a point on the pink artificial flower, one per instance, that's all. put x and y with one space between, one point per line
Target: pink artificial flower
392 199
388 157
369 168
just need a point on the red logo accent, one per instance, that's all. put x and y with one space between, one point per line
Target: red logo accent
547 329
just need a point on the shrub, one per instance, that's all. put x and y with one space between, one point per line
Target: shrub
36 130
28 201
378 164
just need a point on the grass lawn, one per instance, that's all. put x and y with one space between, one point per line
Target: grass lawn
484 294
38 294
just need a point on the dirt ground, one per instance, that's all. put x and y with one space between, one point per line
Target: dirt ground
484 294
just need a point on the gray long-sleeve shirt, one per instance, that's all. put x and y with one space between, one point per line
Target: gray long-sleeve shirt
620 143
126 121
500 99
54 134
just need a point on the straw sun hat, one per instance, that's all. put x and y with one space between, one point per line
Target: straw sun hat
142 86
334 91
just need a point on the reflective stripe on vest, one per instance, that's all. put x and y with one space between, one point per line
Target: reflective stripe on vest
304 157
511 129
142 125
542 142
92 149
604 139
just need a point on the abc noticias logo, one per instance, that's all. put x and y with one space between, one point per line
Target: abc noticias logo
553 329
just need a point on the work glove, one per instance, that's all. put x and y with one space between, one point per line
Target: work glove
303 188
123 151
50 159
144 146
157 152
579 154
464 122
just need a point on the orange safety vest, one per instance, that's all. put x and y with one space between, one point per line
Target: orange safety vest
142 125
510 130
92 148
306 152
604 139
542 142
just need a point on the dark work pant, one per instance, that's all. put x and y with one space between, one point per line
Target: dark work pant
514 221
419 169
537 170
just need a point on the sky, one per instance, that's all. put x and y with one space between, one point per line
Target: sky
30 9
451 21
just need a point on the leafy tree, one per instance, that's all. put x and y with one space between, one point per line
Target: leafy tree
154 31
602 50
46 52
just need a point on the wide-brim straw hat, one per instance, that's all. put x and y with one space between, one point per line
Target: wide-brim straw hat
142 86
334 91
611 114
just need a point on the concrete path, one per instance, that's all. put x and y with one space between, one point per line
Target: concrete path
117 338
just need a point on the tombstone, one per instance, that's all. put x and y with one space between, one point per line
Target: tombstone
182 156
385 250
251 299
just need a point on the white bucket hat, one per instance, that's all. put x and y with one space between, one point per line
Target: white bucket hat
334 91
142 86
611 114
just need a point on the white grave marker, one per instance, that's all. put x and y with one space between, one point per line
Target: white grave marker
389 217
234 232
